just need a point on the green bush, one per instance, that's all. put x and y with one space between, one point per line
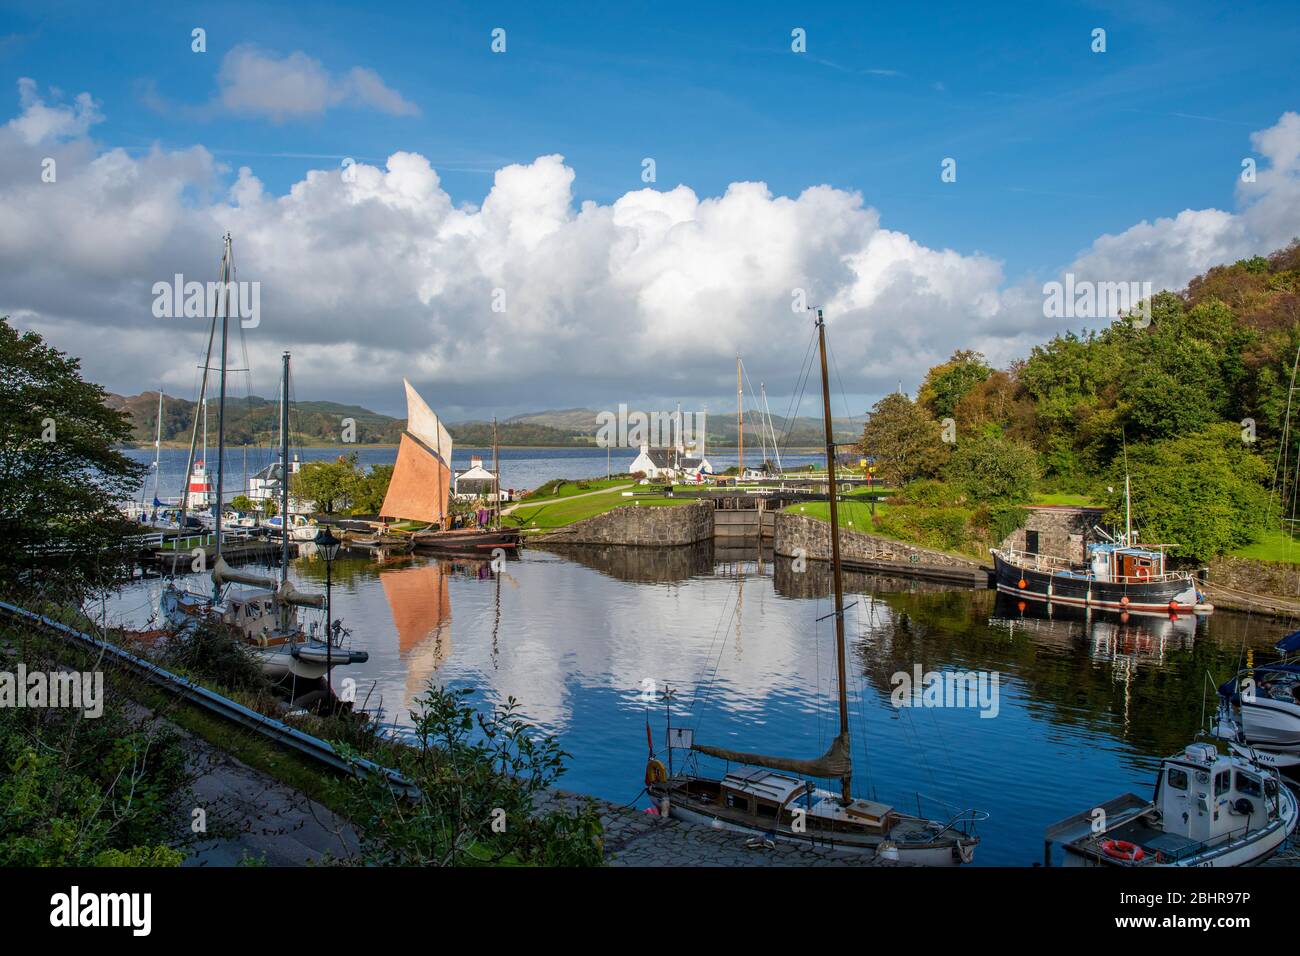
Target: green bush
478 776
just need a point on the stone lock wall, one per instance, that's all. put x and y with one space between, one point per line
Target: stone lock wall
1063 532
665 525
794 531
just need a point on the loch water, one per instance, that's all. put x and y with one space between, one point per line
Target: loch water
1085 704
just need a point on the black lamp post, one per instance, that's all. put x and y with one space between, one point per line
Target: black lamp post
329 549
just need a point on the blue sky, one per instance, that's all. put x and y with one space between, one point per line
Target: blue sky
1055 144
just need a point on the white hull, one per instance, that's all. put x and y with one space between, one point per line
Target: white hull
929 856
1271 723
1244 851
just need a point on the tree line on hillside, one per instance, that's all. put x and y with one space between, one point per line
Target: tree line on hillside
1191 404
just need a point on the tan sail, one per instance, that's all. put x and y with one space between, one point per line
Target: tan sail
421 483
834 763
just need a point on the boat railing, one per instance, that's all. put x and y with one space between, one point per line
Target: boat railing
963 821
1049 563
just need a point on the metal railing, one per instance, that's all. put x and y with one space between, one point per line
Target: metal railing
312 747
1048 563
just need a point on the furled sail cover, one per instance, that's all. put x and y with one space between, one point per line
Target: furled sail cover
834 763
422 477
223 573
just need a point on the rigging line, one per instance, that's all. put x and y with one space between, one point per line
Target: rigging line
800 385
1286 422
717 629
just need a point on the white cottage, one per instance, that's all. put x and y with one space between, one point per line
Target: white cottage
668 464
475 482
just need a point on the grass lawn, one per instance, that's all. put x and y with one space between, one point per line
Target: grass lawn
559 512
854 515
1061 498
570 488
1273 545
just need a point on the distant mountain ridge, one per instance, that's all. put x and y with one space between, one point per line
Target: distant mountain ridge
255 421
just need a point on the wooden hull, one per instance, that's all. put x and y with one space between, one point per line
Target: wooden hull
467 541
1177 594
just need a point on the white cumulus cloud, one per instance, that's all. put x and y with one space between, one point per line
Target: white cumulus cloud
372 273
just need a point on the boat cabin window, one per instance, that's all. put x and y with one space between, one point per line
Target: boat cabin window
766 809
1222 783
1177 778
1248 785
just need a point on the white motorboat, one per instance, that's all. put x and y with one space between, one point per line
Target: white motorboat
1209 809
300 529
1263 701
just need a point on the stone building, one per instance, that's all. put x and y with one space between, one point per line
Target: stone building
1060 531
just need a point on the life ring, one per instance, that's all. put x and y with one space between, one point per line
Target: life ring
1123 850
1142 574
655 772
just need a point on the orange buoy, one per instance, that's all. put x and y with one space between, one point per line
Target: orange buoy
1020 583
1122 850
1124 601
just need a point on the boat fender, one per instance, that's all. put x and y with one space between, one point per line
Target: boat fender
965 851
1123 850
1124 601
655 772
1021 583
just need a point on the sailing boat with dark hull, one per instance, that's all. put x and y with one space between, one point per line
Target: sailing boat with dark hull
771 797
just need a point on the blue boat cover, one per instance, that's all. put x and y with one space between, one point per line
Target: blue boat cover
1289 643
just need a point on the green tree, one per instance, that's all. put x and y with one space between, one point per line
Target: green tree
1203 492
61 476
369 490
947 384
991 467
903 439
329 485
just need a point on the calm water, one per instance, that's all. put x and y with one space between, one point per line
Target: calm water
1086 707
520 467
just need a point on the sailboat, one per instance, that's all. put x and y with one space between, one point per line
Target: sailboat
264 616
771 797
420 489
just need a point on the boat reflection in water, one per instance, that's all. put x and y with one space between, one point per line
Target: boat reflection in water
1110 636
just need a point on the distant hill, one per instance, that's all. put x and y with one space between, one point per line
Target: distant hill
255 421
722 427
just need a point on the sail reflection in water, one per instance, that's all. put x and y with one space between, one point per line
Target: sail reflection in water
420 604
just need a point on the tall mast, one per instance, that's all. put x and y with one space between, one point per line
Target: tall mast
194 431
157 452
1128 515
226 286
496 479
740 421
846 782
284 469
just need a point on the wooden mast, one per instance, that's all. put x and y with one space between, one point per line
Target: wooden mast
846 782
